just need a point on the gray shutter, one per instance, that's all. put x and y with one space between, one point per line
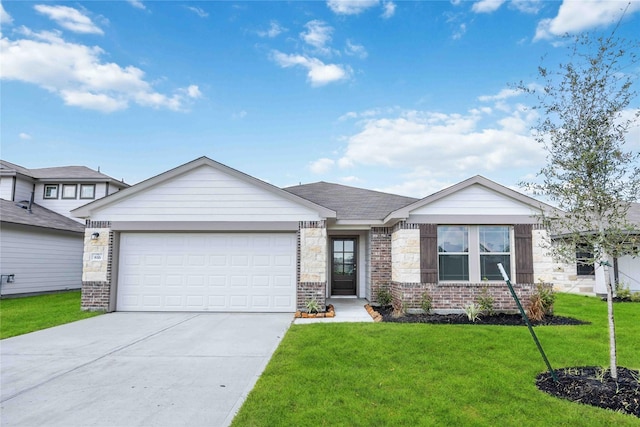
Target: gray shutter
428 253
524 253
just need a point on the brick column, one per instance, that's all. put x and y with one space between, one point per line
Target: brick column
380 249
312 263
97 262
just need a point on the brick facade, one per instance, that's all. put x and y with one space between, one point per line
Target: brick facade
448 297
309 291
380 258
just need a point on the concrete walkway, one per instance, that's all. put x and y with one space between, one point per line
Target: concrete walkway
347 310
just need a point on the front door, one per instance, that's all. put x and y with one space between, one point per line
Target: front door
343 266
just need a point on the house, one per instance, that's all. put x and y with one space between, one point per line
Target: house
41 245
206 237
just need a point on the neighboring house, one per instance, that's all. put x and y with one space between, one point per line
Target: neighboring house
206 237
41 245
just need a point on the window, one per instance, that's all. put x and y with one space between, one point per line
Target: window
69 191
51 191
471 253
87 191
584 260
453 253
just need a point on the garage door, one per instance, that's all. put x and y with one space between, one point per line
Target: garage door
207 272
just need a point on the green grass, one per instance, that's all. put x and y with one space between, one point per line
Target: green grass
420 375
23 315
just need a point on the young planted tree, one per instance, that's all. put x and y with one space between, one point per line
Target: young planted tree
585 116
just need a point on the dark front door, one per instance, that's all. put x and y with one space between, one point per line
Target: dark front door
343 266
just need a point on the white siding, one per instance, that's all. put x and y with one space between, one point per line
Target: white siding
42 260
6 187
629 272
23 190
65 206
475 200
205 194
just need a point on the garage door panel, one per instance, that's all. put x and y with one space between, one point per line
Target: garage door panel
207 272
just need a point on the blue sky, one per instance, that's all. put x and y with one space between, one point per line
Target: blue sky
398 96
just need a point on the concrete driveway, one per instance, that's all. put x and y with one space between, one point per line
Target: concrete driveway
137 369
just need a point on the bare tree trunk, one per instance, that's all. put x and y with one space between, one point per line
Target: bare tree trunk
612 327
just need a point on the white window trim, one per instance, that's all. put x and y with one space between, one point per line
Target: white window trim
93 196
474 254
75 192
57 187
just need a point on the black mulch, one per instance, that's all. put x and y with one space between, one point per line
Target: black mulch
462 319
588 385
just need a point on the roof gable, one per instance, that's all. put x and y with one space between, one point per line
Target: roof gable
474 196
203 190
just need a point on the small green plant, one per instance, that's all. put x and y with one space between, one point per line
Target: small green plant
426 303
623 292
384 297
600 373
312 306
635 297
486 302
473 311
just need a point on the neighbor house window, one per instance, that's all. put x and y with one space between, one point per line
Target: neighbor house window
69 191
472 253
51 191
87 191
584 260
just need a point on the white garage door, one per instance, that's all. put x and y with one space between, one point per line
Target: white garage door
207 272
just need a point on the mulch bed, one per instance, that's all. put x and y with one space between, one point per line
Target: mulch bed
462 319
591 386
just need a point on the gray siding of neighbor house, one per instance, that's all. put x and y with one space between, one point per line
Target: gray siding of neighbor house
42 260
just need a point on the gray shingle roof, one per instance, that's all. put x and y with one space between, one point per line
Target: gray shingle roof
61 172
40 217
350 202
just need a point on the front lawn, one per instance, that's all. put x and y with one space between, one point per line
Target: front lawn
419 374
23 315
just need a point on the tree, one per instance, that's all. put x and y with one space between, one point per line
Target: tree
589 174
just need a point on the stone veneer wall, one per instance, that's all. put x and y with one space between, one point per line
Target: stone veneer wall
312 263
96 273
454 296
380 256
405 253
563 276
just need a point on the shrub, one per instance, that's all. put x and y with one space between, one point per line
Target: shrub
473 311
486 302
312 306
384 297
623 292
426 302
541 302
635 297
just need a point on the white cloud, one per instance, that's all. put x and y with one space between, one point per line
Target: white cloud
274 30
77 74
527 6
353 49
487 6
239 115
137 4
198 11
24 135
351 7
349 179
577 16
318 73
389 9
462 29
438 146
321 165
69 18
5 18
500 96
318 34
